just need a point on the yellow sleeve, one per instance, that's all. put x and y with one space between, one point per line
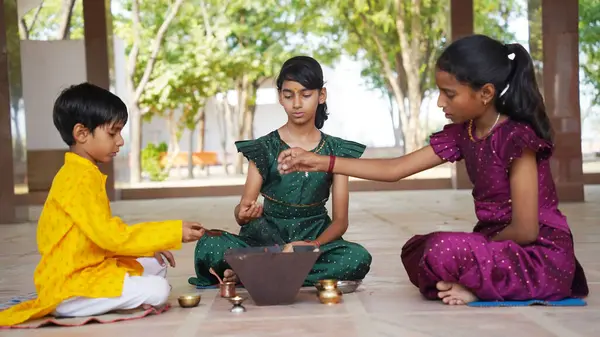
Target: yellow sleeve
89 208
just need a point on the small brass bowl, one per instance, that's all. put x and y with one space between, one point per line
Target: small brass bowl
189 301
320 284
345 287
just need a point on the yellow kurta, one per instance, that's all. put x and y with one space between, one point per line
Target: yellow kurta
85 251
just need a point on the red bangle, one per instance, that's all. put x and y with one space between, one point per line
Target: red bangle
314 242
331 163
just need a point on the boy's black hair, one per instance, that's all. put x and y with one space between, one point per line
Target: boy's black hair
308 72
89 105
478 59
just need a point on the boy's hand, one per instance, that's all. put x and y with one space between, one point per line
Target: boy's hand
161 256
249 210
192 231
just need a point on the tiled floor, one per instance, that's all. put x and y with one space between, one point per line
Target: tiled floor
386 305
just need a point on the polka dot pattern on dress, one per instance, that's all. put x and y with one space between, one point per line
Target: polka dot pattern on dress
498 270
294 210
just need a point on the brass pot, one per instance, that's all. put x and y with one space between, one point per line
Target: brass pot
227 289
328 292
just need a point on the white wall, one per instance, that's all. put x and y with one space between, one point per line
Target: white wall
48 67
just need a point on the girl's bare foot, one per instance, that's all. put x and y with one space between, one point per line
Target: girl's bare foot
230 276
454 293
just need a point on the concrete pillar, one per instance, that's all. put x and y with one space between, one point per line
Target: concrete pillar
560 19
461 24
97 32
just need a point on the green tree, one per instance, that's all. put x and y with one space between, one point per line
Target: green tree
188 75
143 26
400 41
589 45
53 20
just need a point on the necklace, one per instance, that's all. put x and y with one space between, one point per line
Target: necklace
287 128
488 132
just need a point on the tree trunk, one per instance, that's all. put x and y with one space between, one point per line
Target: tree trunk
225 126
425 126
23 25
412 131
201 133
249 123
64 31
200 142
135 90
191 155
397 130
243 111
411 56
173 149
135 129
19 152
172 131
534 17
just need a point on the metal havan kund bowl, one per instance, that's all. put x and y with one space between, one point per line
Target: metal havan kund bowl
270 276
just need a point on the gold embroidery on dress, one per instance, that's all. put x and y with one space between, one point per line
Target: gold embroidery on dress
316 150
294 205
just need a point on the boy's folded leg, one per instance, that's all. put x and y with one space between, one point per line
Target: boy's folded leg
152 267
137 290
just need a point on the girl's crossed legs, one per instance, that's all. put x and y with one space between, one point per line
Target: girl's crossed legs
463 267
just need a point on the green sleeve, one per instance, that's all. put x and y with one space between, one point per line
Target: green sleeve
257 152
348 149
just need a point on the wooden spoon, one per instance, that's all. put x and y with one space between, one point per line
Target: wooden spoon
212 271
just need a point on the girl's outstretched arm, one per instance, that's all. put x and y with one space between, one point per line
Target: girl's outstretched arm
392 169
339 224
524 227
248 209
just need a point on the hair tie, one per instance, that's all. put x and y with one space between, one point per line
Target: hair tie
511 57
504 91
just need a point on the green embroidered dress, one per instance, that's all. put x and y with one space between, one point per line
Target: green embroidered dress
294 210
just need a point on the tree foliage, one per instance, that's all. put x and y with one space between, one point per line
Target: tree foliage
181 53
589 44
399 41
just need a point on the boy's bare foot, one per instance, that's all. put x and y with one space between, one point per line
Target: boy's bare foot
454 293
229 276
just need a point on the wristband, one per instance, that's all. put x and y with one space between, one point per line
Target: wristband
314 242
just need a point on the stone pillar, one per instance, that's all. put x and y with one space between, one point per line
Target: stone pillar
560 21
461 24
7 184
97 29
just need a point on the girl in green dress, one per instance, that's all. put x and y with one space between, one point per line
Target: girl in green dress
294 210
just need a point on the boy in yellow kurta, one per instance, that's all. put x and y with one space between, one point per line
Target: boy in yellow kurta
91 262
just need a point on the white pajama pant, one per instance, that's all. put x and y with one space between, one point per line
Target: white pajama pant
151 288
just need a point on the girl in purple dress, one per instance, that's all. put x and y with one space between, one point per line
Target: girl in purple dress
521 247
